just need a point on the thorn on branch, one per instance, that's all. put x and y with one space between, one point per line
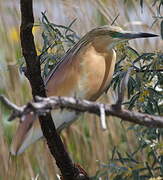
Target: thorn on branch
102 117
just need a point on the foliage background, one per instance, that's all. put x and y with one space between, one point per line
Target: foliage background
121 152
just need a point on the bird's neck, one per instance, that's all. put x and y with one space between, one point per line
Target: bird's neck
102 45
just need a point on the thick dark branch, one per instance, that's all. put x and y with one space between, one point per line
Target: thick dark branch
33 73
44 105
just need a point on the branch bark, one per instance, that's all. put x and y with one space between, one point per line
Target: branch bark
33 73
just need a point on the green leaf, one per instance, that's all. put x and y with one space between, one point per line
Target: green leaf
133 100
120 157
133 51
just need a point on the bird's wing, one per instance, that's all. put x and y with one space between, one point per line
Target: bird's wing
61 82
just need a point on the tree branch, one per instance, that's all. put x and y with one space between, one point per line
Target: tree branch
44 105
17 111
33 73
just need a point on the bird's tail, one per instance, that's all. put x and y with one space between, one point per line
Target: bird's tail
29 129
27 133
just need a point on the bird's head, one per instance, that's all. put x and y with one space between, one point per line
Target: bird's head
111 35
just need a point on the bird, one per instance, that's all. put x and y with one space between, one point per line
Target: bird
84 72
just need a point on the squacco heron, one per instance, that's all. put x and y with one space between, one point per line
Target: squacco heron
85 72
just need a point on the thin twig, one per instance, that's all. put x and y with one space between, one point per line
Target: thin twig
17 111
102 117
150 70
33 73
11 105
115 19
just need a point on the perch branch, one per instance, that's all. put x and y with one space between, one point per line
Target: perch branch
46 104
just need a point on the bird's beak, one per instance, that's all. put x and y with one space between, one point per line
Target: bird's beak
130 35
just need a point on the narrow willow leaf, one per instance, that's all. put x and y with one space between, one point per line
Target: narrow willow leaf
69 26
131 158
114 20
133 100
149 169
159 7
161 28
141 5
133 50
113 153
120 157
